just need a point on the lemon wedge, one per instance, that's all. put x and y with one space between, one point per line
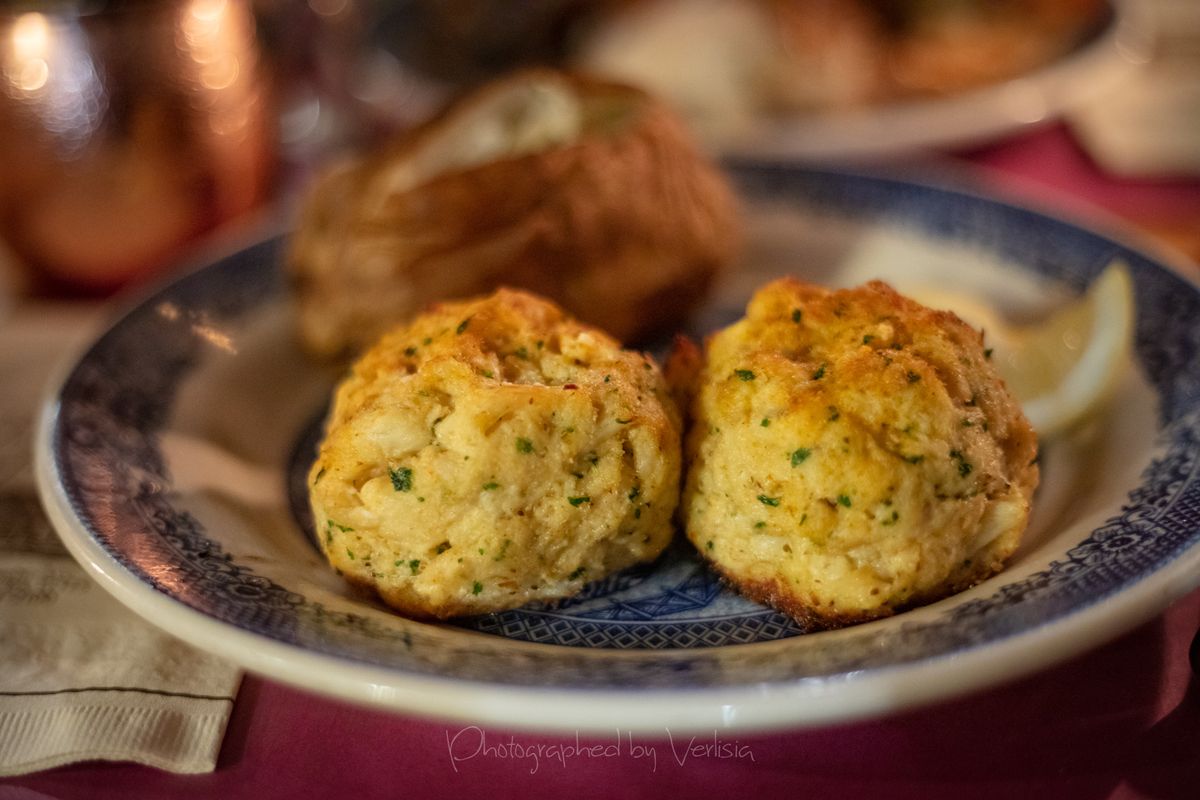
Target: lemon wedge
1066 366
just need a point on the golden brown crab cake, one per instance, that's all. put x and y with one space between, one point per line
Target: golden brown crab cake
853 453
493 452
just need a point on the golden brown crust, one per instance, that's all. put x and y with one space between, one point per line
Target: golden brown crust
808 613
814 616
491 453
682 371
625 224
852 454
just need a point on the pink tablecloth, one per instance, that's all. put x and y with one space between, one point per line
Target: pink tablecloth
1121 721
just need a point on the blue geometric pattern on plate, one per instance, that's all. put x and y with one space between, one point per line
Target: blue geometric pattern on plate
115 403
674 602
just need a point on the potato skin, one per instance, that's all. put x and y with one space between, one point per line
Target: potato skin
625 226
853 453
491 453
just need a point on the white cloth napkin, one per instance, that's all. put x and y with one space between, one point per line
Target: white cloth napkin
81 677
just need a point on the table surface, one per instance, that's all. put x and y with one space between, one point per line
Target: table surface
1120 721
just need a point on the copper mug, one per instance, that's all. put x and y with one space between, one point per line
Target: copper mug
127 131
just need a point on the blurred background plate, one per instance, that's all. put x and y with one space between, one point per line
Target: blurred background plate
1078 78
786 79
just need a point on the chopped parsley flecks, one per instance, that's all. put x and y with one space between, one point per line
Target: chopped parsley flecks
637 513
524 445
415 565
766 423
503 550
487 373
964 466
634 493
744 374
490 485
966 423
477 588
578 501
760 524
410 351
462 326
892 519
868 339
330 524
799 455
709 544
428 340
350 553
441 548
796 315
577 573
914 459
540 344
820 373
768 501
834 414
913 377
843 500
521 353
402 478
607 378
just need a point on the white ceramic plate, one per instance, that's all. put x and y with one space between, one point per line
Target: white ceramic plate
1080 77
171 455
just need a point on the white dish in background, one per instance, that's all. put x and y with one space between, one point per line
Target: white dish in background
975 116
171 460
848 81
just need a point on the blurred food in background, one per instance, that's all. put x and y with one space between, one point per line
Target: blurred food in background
726 63
775 78
127 130
588 192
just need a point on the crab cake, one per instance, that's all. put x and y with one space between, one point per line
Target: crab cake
853 453
491 453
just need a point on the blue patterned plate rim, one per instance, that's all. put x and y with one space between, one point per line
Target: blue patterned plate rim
106 487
